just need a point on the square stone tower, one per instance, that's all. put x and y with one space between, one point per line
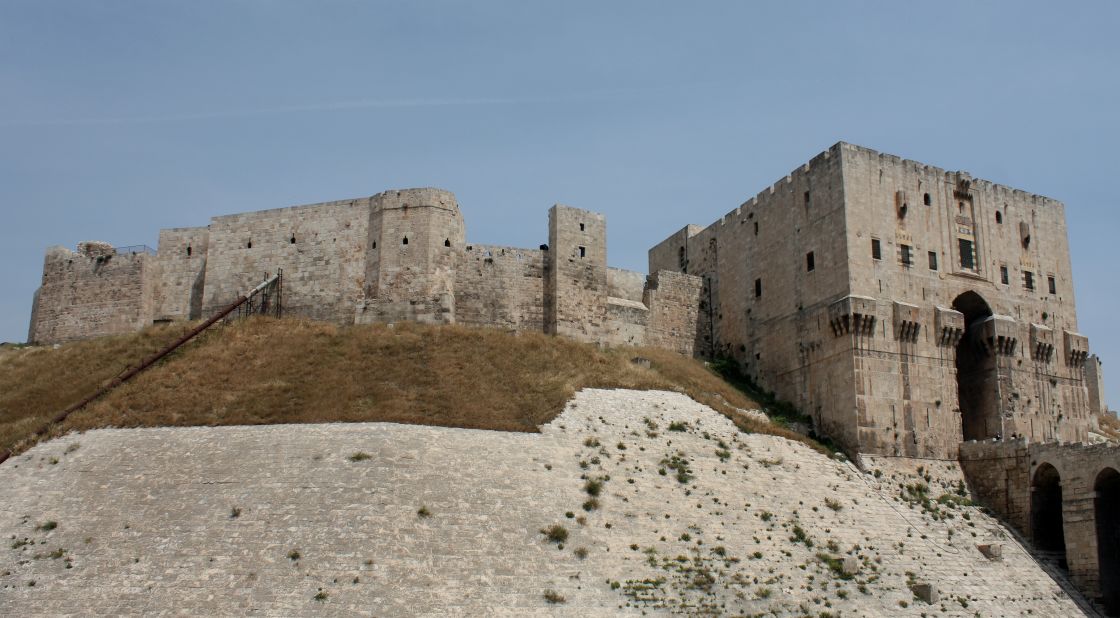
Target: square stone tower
904 307
576 277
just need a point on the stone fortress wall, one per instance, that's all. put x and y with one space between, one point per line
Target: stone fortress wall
846 288
398 255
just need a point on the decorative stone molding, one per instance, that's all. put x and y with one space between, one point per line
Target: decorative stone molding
907 321
852 315
1042 343
950 326
1077 348
999 334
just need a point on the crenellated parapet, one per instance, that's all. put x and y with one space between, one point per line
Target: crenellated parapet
853 315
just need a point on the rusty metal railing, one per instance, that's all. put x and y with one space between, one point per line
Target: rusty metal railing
268 295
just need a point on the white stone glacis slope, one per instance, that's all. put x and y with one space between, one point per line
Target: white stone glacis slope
692 517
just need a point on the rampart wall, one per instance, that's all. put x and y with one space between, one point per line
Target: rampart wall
398 255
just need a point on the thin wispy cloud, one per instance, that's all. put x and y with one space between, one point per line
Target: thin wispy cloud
330 106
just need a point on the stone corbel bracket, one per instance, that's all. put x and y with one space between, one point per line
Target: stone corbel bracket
1077 348
907 321
1042 343
950 326
852 315
999 334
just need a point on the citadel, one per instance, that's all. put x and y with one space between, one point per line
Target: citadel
909 310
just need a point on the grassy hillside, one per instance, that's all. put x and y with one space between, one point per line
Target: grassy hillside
293 371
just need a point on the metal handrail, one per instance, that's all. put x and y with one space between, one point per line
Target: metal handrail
273 283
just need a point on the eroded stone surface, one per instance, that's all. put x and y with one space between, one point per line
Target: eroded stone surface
145 521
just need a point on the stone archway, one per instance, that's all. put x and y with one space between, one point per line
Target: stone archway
1047 526
1106 507
977 379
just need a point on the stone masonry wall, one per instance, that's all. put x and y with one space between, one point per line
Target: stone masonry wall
180 273
1004 476
90 293
320 247
674 301
501 287
576 295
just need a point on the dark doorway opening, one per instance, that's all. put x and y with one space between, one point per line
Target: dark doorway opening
1047 527
976 372
1107 510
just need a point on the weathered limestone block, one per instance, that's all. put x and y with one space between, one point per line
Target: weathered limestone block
907 321
853 315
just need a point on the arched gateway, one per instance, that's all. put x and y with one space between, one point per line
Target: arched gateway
977 381
1106 507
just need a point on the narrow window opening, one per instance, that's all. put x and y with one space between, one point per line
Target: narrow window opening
375 244
583 251
581 227
876 249
758 288
1052 285
933 260
810 262
999 217
926 199
446 242
249 245
682 261
1003 275
907 260
756 228
404 241
806 199
292 240
968 257
1028 279
189 250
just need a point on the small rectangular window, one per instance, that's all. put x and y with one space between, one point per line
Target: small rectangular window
1052 284
583 251
933 260
757 288
876 250
1028 279
810 263
581 227
907 260
968 256
806 199
1003 275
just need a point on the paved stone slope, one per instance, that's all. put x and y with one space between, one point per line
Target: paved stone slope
693 517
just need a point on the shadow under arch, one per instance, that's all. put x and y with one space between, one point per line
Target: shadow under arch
977 379
1106 508
1047 526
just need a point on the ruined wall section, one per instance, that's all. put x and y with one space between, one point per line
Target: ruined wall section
625 284
320 247
576 275
674 301
180 273
419 235
922 218
91 293
502 287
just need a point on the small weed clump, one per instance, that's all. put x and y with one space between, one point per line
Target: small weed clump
590 504
321 595
555 533
593 487
553 597
359 456
833 504
47 526
294 555
581 553
423 512
678 426
234 512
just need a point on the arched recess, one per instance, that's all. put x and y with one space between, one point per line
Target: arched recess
1106 507
976 372
1047 527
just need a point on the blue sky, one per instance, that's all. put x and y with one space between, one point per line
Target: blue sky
119 118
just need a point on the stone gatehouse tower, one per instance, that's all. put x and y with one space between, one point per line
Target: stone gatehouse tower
905 307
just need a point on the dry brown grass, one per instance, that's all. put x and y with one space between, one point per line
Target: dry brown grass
1110 426
38 382
265 371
